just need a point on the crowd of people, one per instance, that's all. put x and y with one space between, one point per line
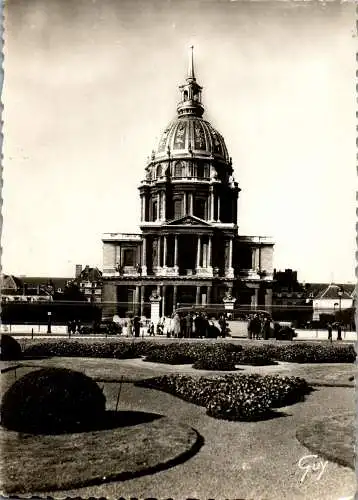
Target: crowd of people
330 327
190 325
259 326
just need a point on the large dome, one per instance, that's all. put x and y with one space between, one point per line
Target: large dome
191 135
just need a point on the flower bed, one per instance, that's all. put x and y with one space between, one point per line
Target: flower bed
311 353
204 355
201 355
80 349
254 356
233 397
217 357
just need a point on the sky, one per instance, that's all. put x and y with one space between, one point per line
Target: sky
91 84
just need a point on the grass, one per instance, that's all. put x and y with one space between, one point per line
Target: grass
335 374
331 437
33 463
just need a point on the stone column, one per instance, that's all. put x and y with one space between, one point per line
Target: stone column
158 206
184 204
210 252
212 204
142 295
255 258
190 203
175 293
141 208
144 256
136 300
159 250
164 215
255 299
176 268
198 253
164 289
165 250
268 300
234 210
218 218
208 294
197 301
230 271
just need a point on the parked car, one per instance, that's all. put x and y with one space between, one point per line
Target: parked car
102 328
284 331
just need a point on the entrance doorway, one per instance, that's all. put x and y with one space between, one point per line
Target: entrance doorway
187 248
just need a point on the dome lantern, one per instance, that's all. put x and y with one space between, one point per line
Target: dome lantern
190 103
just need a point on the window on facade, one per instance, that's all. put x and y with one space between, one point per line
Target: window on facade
199 208
200 171
185 95
154 210
128 257
178 170
177 209
159 171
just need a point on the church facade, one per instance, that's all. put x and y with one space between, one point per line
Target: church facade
189 250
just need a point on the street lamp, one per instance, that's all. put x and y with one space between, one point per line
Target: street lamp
340 293
49 322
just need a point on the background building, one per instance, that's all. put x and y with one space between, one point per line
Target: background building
189 250
332 300
89 282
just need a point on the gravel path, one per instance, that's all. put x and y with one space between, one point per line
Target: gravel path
238 460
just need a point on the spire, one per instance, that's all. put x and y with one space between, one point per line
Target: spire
191 74
190 103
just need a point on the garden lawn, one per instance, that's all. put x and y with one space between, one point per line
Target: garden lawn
331 374
238 460
34 463
331 438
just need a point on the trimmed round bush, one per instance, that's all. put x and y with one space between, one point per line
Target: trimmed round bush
52 401
10 349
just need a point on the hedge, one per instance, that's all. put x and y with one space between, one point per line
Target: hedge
52 400
199 353
233 397
10 349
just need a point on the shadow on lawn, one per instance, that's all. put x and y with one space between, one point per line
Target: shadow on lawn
114 419
108 420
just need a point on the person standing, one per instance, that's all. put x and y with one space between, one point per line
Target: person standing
176 325
339 331
188 325
250 327
136 325
205 326
193 331
223 325
266 329
198 325
129 327
329 328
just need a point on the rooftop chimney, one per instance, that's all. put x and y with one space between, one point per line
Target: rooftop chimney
78 270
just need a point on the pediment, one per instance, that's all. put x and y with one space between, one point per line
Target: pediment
188 220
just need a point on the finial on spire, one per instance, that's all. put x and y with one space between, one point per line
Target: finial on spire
191 73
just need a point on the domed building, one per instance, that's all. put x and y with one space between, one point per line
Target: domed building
189 250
